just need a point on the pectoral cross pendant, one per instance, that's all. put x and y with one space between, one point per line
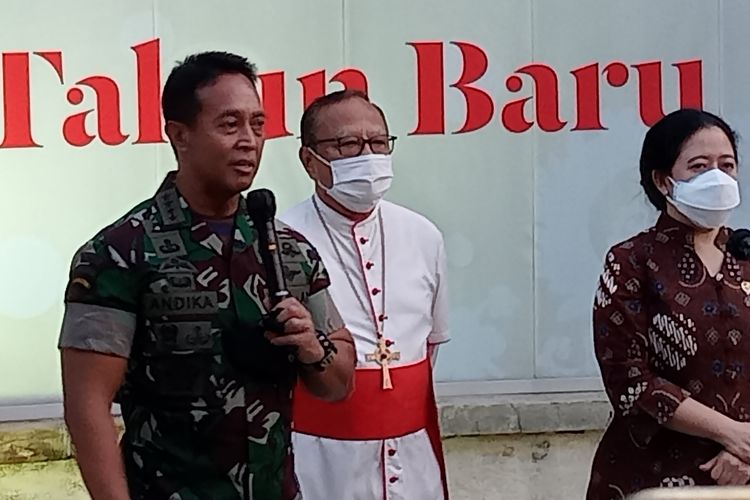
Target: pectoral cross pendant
383 356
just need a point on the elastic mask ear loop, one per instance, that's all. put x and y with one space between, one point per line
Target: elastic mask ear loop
324 162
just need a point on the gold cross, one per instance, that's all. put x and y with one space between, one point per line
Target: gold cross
383 356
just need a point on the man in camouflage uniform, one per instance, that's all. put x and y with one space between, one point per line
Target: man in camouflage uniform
163 313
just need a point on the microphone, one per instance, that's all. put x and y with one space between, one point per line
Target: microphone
244 345
738 244
261 207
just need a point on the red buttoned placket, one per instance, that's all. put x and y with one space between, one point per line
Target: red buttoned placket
390 460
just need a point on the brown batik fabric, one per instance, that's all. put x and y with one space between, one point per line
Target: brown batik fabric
665 330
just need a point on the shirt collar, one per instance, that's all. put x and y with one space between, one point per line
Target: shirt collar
682 232
339 222
173 212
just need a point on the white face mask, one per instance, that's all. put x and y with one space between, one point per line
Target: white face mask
359 182
707 199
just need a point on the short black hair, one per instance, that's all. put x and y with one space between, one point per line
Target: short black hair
663 144
309 121
179 99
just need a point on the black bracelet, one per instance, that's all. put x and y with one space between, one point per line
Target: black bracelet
329 352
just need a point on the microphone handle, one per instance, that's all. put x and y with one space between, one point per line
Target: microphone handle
274 268
275 281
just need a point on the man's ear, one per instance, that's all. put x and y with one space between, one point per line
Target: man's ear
179 136
306 158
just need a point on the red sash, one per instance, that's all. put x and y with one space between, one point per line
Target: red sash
371 413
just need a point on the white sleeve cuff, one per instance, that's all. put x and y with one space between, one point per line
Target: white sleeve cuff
439 337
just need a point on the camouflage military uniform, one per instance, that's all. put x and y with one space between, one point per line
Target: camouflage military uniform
158 288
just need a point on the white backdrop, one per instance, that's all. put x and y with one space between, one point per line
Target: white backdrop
527 216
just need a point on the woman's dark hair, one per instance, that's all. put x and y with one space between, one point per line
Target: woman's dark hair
664 141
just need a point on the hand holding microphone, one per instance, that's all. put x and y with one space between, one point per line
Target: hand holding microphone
288 323
298 331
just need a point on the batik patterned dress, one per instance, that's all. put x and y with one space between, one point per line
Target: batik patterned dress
665 330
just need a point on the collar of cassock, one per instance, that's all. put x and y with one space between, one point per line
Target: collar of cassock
340 223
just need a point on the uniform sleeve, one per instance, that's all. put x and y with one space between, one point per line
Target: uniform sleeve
100 301
324 313
316 281
299 253
318 276
621 341
320 304
440 332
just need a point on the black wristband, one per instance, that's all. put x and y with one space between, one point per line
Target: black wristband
329 352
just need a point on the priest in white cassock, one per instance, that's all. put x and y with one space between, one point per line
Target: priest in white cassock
388 280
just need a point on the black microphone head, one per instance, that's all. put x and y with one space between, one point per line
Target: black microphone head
738 244
261 205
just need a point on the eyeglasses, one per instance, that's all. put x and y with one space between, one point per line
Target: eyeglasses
353 146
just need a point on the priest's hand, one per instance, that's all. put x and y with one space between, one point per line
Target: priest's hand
299 331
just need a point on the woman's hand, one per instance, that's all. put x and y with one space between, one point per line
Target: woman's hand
727 470
735 438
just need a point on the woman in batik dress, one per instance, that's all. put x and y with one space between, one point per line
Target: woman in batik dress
672 323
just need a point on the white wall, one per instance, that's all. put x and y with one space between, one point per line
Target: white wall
527 216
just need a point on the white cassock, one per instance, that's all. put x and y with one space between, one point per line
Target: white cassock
379 443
